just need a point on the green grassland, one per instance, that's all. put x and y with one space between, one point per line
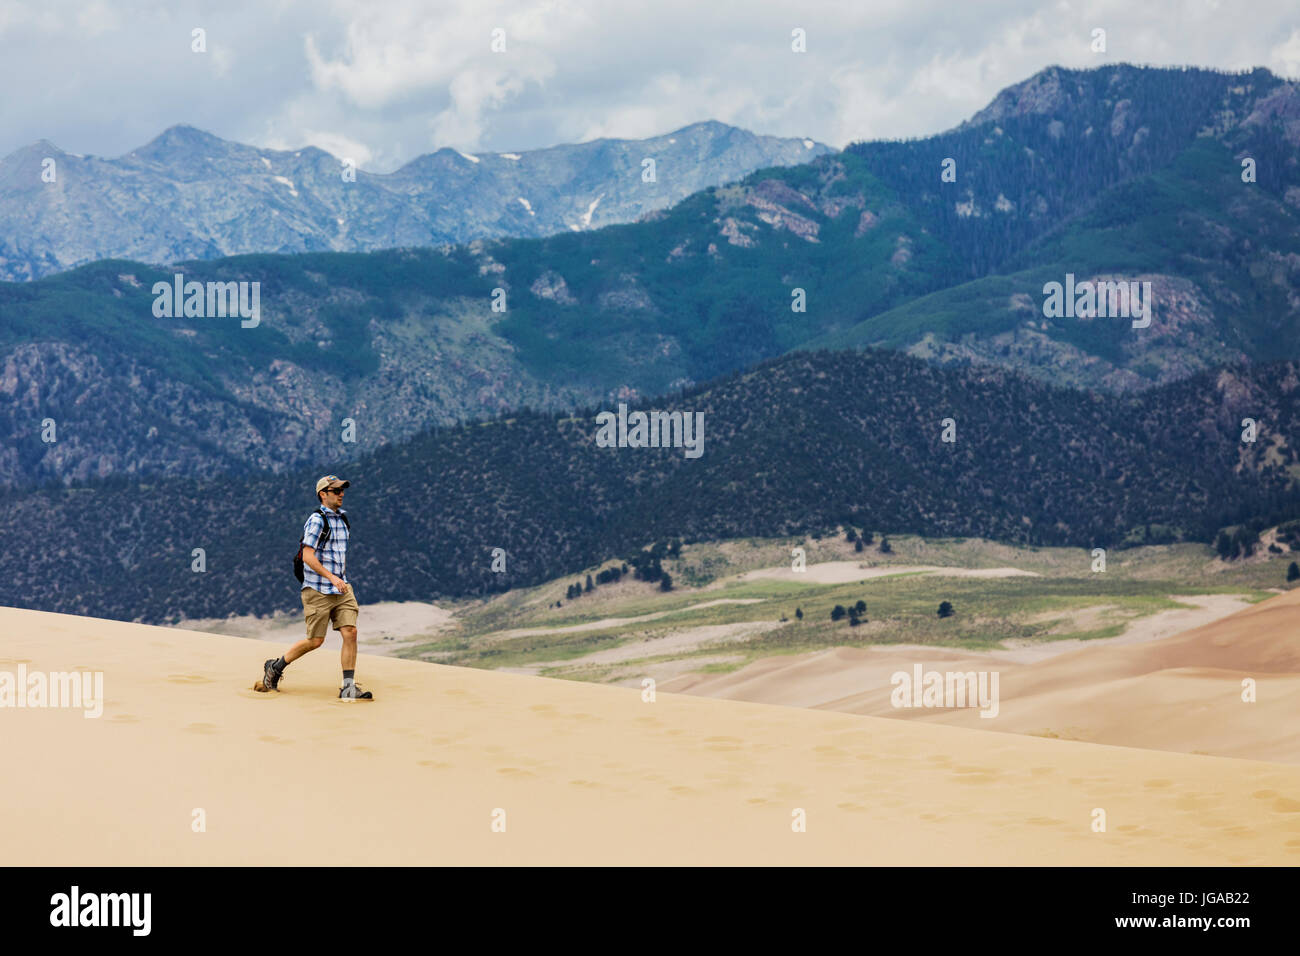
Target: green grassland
519 629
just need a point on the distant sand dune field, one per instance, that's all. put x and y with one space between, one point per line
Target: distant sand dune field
1141 689
582 773
846 572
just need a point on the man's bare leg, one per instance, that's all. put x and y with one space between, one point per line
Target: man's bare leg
302 647
350 690
348 655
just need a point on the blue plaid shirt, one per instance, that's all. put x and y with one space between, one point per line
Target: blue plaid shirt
334 558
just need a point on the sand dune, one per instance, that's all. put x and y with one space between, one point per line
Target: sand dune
1204 609
583 773
846 572
1179 693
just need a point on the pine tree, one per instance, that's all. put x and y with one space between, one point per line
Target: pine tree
798 612
1223 545
1293 571
945 609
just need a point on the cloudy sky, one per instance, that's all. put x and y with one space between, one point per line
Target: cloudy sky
383 82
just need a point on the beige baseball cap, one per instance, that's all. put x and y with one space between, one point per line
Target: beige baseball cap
328 480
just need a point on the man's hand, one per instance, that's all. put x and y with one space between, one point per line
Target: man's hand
340 585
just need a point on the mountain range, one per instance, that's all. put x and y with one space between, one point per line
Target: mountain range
191 195
799 445
1124 173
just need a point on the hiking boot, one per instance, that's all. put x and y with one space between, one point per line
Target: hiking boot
353 692
271 676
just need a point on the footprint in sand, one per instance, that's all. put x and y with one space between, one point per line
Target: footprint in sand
978 778
977 774
201 728
272 739
433 764
515 772
1264 794
1286 805
1157 784
826 750
188 679
1197 802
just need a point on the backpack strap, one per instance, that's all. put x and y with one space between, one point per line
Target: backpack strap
325 529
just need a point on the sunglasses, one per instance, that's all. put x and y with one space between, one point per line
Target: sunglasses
335 491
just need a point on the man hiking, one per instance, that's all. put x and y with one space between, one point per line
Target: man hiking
326 594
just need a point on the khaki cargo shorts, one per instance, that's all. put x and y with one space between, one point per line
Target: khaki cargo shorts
321 609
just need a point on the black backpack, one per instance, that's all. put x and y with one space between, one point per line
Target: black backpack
320 543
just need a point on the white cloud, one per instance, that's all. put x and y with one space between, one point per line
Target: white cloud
383 83
337 145
1284 58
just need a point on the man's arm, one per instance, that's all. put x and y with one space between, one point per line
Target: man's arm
309 558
